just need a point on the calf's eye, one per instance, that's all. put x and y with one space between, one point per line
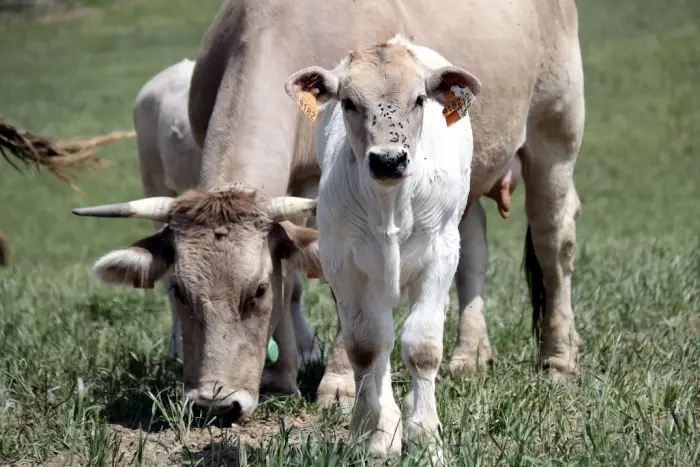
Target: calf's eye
420 100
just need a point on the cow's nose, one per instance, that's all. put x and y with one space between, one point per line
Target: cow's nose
387 163
237 404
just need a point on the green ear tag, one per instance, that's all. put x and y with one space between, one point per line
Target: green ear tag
273 351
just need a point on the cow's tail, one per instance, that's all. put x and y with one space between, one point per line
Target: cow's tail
55 155
535 282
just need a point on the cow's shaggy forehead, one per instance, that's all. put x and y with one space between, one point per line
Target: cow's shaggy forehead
384 69
215 208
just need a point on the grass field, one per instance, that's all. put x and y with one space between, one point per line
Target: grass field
83 366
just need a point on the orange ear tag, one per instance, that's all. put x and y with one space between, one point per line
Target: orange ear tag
306 101
458 102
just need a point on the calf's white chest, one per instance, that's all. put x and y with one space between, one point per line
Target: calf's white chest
388 234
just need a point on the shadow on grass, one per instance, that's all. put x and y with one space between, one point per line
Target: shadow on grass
138 390
127 391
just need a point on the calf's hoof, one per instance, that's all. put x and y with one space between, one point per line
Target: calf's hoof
420 439
336 389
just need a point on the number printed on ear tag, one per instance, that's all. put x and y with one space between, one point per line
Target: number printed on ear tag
458 102
306 101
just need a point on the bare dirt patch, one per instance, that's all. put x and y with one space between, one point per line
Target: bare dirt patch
207 446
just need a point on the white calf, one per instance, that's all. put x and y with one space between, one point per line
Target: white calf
395 182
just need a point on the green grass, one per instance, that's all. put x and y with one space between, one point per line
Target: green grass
82 366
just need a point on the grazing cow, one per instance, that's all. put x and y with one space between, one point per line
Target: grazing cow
170 162
394 185
528 58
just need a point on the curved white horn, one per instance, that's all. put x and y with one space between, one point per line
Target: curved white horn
155 209
288 207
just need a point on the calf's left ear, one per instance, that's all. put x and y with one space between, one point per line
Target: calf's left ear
319 81
443 79
297 246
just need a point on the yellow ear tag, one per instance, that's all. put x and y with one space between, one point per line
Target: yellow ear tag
458 102
306 101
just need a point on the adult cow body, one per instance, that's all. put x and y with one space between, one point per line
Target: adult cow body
169 162
526 55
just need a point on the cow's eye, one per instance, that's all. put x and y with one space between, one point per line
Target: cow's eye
348 105
260 291
420 100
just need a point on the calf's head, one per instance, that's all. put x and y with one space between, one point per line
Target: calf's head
383 91
224 251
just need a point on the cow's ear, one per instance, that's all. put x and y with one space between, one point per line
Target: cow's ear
439 81
297 246
141 264
316 80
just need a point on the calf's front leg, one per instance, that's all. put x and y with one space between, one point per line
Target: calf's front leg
367 326
421 346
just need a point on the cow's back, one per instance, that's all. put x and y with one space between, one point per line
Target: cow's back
503 43
168 155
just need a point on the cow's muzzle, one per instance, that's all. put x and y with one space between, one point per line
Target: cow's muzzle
216 399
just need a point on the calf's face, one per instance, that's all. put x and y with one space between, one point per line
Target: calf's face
224 252
382 90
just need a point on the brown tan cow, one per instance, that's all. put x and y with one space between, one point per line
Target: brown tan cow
526 55
169 162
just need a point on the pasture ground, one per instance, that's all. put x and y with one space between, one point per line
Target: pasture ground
83 366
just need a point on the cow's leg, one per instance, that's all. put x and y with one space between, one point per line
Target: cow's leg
368 334
472 349
338 382
421 345
175 340
553 139
280 378
309 350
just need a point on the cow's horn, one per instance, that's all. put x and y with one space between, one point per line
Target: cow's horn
155 209
288 207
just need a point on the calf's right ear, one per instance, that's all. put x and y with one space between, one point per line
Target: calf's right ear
141 264
319 81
